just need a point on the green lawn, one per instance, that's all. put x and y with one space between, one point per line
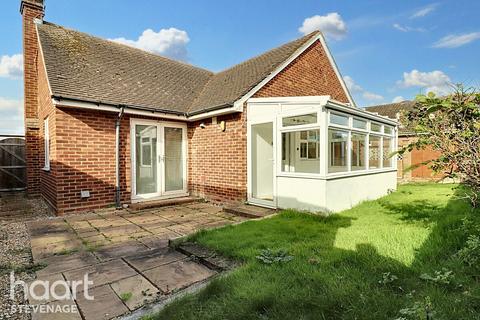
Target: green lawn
363 263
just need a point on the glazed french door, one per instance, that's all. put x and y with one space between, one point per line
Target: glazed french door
158 159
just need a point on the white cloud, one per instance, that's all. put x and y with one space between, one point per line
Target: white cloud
456 40
407 28
11 66
167 42
355 88
332 25
11 116
398 99
434 81
422 12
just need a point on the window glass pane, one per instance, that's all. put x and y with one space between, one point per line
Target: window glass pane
173 140
146 155
358 151
300 120
375 127
374 152
387 150
359 124
312 150
337 150
300 151
338 119
387 129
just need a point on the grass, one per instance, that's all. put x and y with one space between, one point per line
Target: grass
369 262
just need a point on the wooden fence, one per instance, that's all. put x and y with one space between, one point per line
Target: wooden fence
13 174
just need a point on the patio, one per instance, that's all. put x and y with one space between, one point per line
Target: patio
125 254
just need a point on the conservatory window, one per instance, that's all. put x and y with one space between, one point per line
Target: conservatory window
338 119
375 127
301 151
359 124
310 118
387 150
358 151
374 152
337 150
387 130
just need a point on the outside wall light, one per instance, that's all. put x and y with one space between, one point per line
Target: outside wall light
223 125
202 125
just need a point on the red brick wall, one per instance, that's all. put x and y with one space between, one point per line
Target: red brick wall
310 74
46 109
30 53
217 166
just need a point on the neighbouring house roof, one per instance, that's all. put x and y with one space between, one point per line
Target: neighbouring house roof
83 67
393 111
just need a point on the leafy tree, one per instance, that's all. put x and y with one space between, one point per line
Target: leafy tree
450 125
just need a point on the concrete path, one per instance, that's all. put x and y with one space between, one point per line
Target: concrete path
124 253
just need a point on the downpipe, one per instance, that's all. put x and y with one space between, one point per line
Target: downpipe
118 204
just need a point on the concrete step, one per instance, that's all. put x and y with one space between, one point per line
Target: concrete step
162 203
249 211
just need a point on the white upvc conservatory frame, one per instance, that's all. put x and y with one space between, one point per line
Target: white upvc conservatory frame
262 110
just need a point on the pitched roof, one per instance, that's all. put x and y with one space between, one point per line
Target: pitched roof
84 67
393 110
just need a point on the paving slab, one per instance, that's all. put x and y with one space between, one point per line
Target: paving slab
58 248
135 291
42 293
178 275
58 311
154 259
154 242
102 273
118 250
74 261
106 304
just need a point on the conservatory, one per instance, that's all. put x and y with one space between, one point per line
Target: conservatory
317 154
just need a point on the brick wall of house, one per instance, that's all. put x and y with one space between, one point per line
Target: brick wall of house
31 10
217 166
46 109
86 159
310 74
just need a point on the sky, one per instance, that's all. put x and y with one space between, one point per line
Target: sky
386 50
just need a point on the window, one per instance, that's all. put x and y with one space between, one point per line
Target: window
387 150
309 144
338 119
358 151
301 151
375 127
337 150
387 130
359 124
310 118
46 131
374 152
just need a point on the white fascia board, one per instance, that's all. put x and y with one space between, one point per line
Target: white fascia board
322 100
239 103
359 112
215 113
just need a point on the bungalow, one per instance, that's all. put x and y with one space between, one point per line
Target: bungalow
108 124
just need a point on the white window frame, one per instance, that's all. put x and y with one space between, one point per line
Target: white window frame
46 139
307 141
149 143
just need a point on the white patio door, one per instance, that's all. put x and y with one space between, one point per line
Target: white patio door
158 159
261 175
